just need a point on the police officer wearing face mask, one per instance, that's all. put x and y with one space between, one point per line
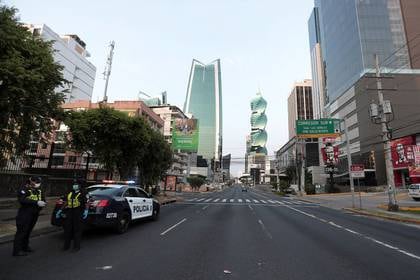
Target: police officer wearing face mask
74 210
31 202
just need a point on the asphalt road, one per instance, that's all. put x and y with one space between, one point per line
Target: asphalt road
232 235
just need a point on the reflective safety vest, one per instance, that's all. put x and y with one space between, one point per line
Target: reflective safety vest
73 202
35 195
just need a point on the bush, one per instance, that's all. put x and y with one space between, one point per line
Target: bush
310 189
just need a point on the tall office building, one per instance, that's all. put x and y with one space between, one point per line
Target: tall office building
204 102
258 125
71 53
344 37
299 105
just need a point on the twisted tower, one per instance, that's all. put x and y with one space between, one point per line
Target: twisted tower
258 124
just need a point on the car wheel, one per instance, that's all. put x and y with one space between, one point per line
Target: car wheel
155 214
123 223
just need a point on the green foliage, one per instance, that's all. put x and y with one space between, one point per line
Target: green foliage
120 142
291 174
196 181
29 77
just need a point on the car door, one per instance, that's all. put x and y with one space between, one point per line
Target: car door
135 202
147 204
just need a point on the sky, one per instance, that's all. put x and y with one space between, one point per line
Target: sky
261 43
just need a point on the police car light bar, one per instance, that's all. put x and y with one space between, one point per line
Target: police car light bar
118 182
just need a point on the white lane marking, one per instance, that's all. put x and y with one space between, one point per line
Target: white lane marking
207 200
265 229
256 201
232 200
216 200
205 207
247 200
174 226
263 201
279 202
240 200
224 200
384 244
271 201
194 199
250 207
200 199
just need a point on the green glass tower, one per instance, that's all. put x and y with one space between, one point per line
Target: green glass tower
258 124
204 102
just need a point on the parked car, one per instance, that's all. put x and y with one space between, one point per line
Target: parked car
414 191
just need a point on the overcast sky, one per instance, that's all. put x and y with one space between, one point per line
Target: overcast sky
261 44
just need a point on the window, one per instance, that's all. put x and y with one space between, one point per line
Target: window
130 192
33 147
60 136
72 159
143 194
59 148
57 160
44 145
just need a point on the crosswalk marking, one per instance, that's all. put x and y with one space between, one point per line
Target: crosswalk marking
224 200
200 199
207 200
216 200
279 202
247 200
263 201
271 202
232 200
256 201
240 200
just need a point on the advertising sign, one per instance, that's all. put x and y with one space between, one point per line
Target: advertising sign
402 152
357 170
170 182
318 128
330 154
185 135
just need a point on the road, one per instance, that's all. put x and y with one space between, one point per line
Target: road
232 235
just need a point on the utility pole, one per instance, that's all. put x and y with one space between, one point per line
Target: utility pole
107 71
346 130
381 115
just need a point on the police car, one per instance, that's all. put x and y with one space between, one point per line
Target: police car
115 205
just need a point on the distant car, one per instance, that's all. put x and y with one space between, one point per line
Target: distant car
115 206
414 191
244 188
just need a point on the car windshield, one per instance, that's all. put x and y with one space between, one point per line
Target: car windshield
414 187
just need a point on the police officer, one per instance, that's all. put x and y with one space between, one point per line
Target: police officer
31 202
75 208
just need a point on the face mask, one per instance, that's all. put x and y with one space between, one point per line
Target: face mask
76 188
37 185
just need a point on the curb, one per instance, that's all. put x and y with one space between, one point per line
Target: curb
35 233
383 216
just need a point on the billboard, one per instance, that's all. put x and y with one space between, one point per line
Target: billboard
402 152
185 135
330 154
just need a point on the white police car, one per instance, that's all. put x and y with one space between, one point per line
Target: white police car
116 205
414 191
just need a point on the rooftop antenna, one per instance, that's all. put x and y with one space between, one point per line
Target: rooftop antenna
107 71
143 93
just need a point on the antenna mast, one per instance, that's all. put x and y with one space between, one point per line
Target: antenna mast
107 71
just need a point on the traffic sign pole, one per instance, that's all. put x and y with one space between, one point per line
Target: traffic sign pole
346 131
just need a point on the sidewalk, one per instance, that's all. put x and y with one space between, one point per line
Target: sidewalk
9 207
373 204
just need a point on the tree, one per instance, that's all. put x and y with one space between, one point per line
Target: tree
196 181
291 173
156 161
28 81
118 141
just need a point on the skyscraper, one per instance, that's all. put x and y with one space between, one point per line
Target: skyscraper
258 124
204 102
300 105
344 36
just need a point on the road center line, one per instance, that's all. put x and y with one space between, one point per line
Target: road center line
205 207
174 226
250 207
384 244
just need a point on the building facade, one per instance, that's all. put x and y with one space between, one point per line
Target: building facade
204 102
168 113
386 28
299 105
71 53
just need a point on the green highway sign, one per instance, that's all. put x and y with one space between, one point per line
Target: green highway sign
318 128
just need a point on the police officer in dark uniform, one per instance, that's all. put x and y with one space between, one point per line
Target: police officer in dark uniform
31 202
74 211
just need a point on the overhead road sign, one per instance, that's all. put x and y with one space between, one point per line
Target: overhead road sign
318 128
